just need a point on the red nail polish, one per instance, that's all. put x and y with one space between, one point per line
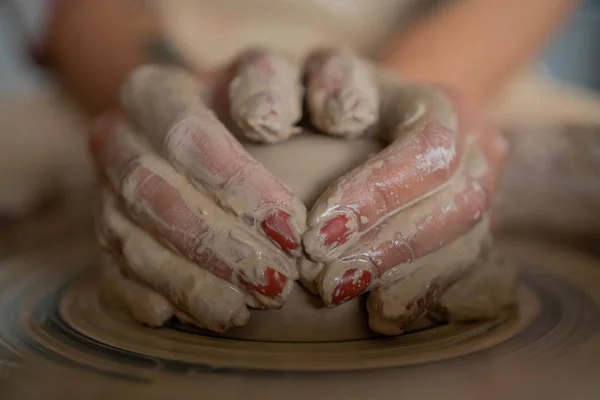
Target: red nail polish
273 285
349 287
277 227
336 231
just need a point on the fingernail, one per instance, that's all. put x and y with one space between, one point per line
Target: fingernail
353 283
336 231
272 286
277 225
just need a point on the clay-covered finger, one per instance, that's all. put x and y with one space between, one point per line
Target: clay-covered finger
495 148
407 107
166 105
408 170
266 96
486 292
341 93
394 305
118 291
399 244
142 303
186 319
216 304
188 220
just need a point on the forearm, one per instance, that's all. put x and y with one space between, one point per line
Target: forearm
93 46
476 45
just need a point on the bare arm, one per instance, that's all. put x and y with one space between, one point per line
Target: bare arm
94 45
476 45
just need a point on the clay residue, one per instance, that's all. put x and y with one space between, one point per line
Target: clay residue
484 293
341 93
211 301
395 302
266 96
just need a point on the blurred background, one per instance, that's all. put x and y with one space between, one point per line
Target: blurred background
43 156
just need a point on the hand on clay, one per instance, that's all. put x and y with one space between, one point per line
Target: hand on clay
415 218
193 226
190 224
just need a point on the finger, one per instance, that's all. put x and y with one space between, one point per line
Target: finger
399 242
495 148
216 304
186 319
164 203
341 93
265 96
489 138
406 107
118 291
393 306
108 241
485 293
411 168
167 107
143 304
308 271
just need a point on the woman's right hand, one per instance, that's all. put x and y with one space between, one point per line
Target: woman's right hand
190 224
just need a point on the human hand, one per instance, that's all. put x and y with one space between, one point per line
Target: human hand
413 219
190 224
434 160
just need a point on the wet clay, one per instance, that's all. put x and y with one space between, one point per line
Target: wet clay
310 162
485 292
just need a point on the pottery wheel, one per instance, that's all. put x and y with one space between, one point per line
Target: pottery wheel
50 315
